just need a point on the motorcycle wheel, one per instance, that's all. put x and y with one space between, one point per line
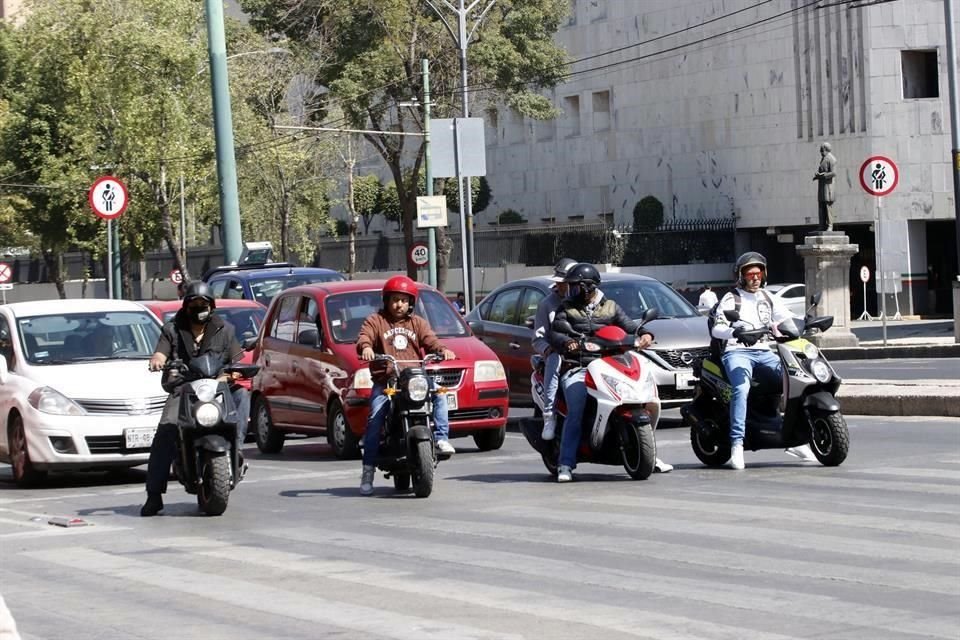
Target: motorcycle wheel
638 448
829 437
24 473
550 464
490 439
710 443
401 481
214 485
269 440
345 445
423 472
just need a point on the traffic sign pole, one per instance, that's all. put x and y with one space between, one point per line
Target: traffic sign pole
882 279
864 278
427 174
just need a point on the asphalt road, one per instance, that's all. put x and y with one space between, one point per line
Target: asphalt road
900 369
782 550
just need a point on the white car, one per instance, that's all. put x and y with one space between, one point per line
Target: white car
792 295
75 392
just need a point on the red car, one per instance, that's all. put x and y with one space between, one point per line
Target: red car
311 380
246 316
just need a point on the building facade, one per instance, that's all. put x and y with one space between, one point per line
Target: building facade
718 108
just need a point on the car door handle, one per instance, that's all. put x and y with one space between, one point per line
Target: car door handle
514 345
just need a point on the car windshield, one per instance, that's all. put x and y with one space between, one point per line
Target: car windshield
347 312
246 321
266 289
85 337
636 296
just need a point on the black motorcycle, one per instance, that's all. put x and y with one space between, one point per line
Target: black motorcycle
408 450
208 463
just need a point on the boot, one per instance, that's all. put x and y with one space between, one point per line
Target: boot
152 506
366 480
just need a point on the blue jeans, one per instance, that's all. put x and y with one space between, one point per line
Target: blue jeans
551 381
575 393
740 365
380 409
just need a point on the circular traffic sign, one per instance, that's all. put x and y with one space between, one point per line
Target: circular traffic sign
865 274
176 277
419 254
108 197
6 273
879 175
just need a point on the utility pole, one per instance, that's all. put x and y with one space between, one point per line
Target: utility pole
428 174
223 131
954 153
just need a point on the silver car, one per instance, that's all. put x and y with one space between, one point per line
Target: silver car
504 321
792 295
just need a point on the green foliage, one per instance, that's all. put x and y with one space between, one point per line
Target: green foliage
510 216
480 194
647 214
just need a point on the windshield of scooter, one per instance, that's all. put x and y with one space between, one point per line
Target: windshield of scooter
791 328
206 366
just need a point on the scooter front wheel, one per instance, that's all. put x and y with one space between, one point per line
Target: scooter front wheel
829 437
638 447
423 471
214 484
710 443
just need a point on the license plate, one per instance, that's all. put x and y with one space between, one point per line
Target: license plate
685 380
451 402
140 438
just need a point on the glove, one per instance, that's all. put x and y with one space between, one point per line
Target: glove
745 339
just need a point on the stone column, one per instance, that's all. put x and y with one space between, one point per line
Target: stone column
956 310
826 255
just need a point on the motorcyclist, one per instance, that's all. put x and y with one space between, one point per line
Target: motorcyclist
396 331
584 311
546 311
194 331
745 357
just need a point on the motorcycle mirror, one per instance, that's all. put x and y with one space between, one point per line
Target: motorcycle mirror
650 314
249 343
528 323
731 315
563 326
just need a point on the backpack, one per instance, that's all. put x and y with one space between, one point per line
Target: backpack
717 346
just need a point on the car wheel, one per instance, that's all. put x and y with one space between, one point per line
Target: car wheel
269 440
344 443
490 439
24 473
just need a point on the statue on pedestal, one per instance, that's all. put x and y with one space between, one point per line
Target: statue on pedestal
824 177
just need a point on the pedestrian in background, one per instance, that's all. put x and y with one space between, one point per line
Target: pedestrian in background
461 303
708 298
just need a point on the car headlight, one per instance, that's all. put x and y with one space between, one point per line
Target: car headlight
417 388
207 414
362 379
488 371
206 390
49 400
821 371
625 391
810 350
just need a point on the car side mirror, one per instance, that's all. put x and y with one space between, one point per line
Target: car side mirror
475 326
731 315
4 373
528 323
309 337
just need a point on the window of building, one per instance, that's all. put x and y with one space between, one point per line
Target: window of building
515 130
571 107
921 74
601 110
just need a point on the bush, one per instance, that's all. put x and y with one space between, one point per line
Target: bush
510 216
648 214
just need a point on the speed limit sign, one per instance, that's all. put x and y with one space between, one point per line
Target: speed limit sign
865 274
419 255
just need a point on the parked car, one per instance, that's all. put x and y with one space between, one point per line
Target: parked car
75 392
311 380
793 295
504 321
262 282
246 316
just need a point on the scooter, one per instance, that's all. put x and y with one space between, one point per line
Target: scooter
208 463
799 409
622 409
407 447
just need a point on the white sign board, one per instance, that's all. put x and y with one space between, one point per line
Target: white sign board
431 211
879 176
6 286
468 147
864 274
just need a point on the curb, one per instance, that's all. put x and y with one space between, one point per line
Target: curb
894 351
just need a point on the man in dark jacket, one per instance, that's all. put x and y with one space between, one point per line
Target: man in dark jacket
193 332
584 311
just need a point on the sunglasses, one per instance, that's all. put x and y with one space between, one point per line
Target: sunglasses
754 274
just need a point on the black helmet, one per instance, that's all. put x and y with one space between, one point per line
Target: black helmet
562 268
750 259
198 289
583 272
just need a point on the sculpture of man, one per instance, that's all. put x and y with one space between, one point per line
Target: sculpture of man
824 176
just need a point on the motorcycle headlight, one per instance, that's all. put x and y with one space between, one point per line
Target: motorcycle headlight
417 388
488 371
821 371
206 390
362 379
625 391
810 350
49 400
591 346
207 414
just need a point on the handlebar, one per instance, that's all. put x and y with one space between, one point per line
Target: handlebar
430 357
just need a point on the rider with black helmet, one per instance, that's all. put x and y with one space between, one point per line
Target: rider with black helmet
195 330
744 356
546 311
584 311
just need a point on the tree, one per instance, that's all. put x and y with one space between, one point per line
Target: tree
510 216
374 51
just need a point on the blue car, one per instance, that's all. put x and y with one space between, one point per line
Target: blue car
262 282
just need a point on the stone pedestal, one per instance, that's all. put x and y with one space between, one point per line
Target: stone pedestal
826 255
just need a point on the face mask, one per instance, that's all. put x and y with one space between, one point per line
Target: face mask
199 314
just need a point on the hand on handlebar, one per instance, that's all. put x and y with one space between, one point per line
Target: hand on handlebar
448 355
745 338
367 355
644 341
572 346
156 362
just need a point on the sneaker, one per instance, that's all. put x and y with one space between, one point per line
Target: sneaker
736 457
662 467
549 428
445 447
564 474
803 452
366 480
152 506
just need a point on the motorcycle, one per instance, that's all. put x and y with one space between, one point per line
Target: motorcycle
208 463
799 409
622 410
408 450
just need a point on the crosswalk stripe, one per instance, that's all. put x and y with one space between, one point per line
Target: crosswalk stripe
685 555
836 484
936 474
268 599
732 596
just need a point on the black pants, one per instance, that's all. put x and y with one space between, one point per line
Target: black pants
163 451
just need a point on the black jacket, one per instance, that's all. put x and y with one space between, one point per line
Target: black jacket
587 319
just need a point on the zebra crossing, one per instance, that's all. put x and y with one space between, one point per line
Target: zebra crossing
785 552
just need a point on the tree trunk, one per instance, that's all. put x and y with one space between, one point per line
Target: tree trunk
53 258
126 279
354 218
169 237
444 247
